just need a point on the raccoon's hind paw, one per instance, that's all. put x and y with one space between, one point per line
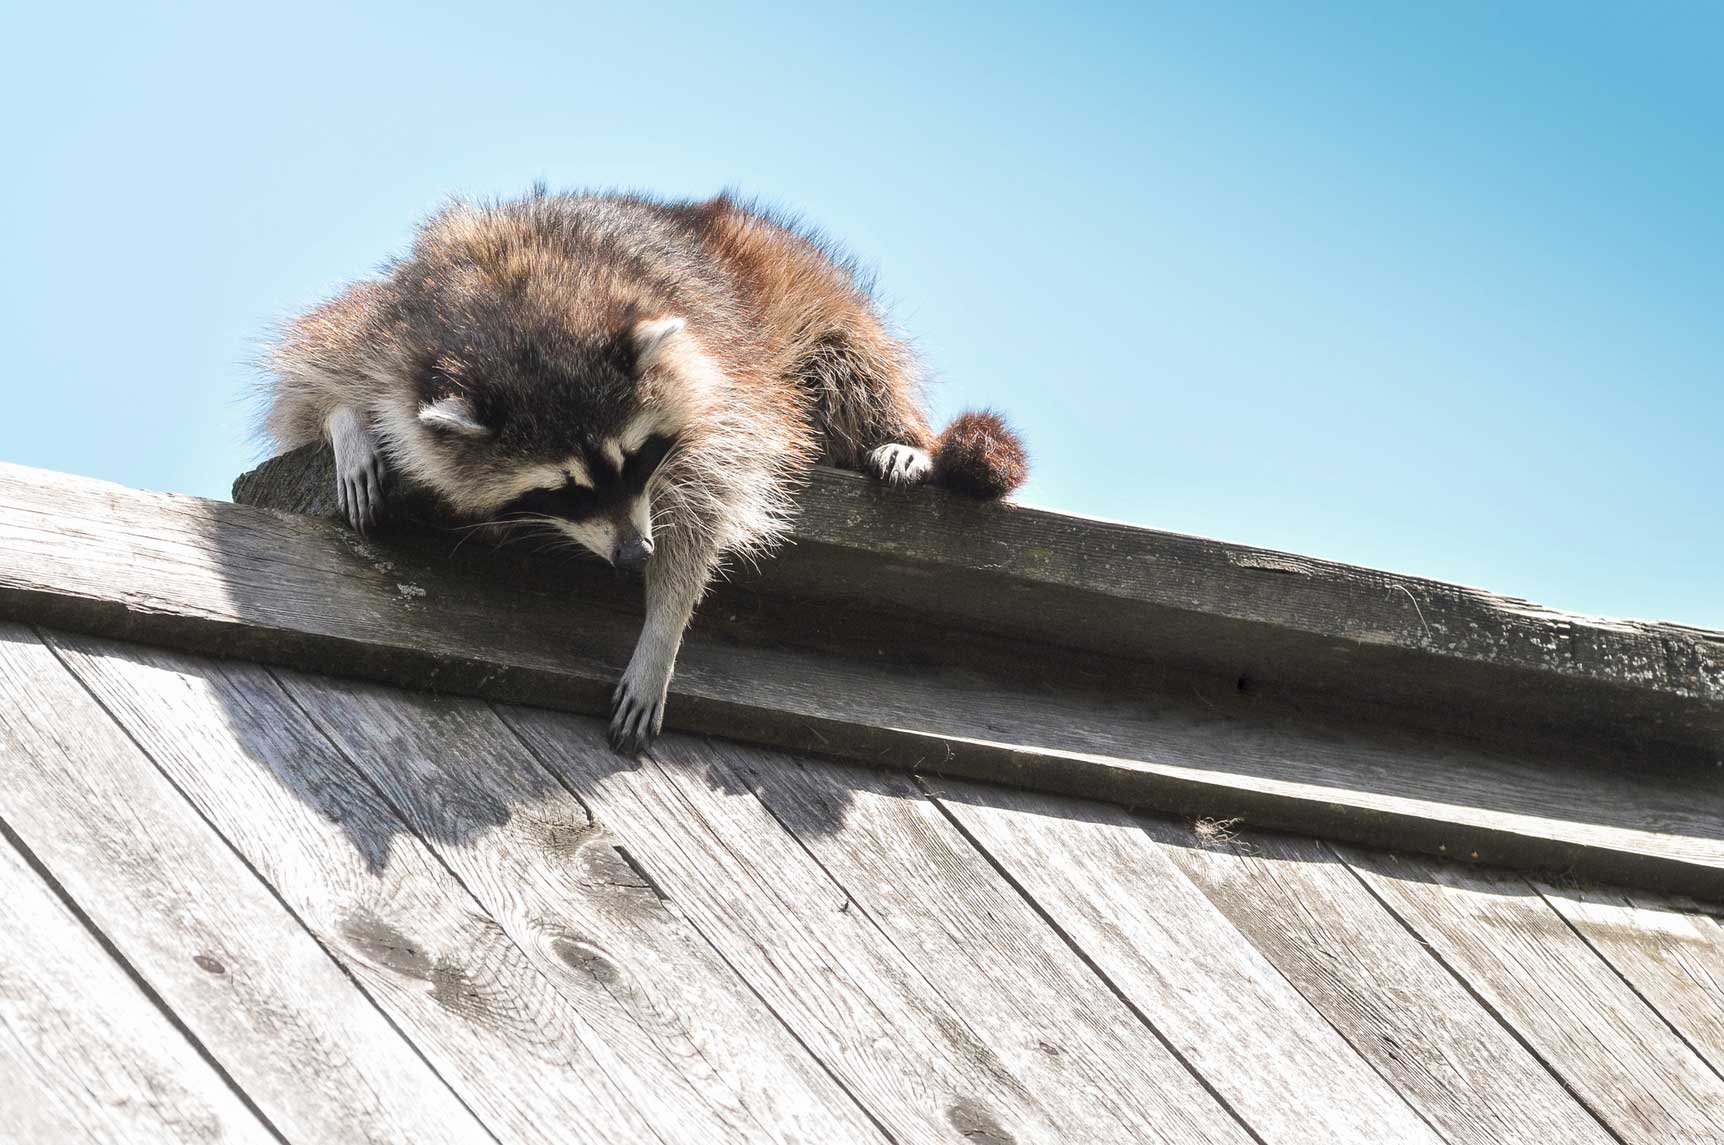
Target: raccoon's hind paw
900 464
637 716
359 470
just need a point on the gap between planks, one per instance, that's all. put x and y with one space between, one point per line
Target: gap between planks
1400 1007
1670 954
92 1051
1223 1007
1495 932
979 942
129 850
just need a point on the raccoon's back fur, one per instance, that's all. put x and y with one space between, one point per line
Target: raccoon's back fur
812 372
533 354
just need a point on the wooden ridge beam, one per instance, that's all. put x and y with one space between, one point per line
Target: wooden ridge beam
1276 620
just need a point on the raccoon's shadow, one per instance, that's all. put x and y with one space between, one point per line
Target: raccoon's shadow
473 782
406 780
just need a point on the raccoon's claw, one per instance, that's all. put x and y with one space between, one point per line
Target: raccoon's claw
360 495
358 470
900 464
636 720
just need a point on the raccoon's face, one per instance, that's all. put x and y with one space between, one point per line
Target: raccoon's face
603 501
551 436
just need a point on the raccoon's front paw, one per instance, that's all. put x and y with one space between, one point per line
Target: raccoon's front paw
359 470
359 491
900 464
637 713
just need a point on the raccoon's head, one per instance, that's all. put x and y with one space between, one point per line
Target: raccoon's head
551 430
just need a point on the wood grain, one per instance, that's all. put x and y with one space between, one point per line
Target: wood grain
1101 1072
1671 953
294 591
524 1056
84 1053
860 1004
1610 1048
561 885
1187 970
248 981
1351 959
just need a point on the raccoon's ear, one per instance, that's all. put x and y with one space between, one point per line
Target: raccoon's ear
652 338
453 414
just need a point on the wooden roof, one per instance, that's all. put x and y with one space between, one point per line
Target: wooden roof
315 839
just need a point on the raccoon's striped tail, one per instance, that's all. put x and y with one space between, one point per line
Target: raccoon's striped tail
980 455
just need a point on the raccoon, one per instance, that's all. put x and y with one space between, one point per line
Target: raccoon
648 379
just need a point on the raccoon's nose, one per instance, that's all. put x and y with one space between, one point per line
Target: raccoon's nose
632 553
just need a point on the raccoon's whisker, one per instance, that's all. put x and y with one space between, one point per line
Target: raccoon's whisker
521 528
467 532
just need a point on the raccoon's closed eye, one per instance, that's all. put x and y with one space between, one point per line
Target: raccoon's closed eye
571 502
640 465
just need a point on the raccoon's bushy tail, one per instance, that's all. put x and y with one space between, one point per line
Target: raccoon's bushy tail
980 455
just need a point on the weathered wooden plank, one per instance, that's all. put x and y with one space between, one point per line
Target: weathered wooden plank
248 981
1226 756
1099 1070
526 1058
1279 618
33 1115
854 999
1671 953
560 885
295 591
1352 960
1221 1005
84 1053
1610 1048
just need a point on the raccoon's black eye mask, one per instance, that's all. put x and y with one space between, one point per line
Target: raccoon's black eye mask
612 490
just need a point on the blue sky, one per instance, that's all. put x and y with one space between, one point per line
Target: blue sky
1434 288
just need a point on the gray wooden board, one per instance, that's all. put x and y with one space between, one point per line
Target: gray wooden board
296 591
859 1003
1671 953
1225 756
84 1053
248 981
531 1061
1101 1073
558 883
1217 1000
32 1115
1406 1014
1279 618
1081 582
1541 979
